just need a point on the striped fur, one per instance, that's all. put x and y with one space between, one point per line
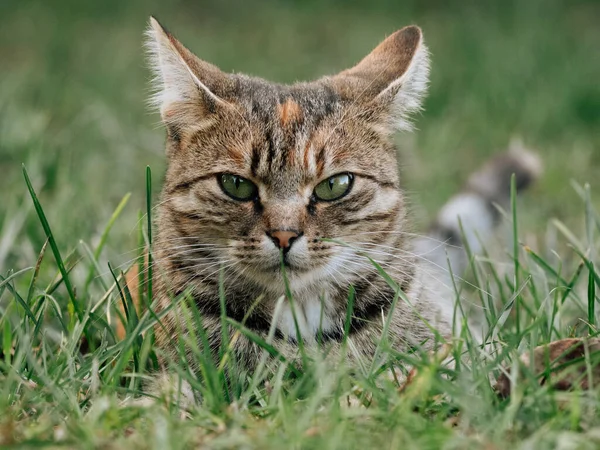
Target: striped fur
287 139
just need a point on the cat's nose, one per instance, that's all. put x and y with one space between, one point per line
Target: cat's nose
284 238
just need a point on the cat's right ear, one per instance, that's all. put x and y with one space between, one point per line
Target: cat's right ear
394 75
187 89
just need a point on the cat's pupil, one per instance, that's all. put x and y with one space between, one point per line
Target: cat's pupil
331 183
236 181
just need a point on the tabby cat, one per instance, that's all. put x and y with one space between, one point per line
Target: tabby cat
271 184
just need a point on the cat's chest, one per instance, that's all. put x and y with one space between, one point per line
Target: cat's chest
310 314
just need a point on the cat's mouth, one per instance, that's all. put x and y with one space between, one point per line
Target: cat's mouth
288 264
288 267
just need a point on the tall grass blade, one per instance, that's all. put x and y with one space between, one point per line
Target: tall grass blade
263 344
36 272
104 236
53 246
349 313
149 231
290 299
591 298
515 236
6 282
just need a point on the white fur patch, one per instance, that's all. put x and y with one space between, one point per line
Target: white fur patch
309 318
410 89
184 203
474 213
174 81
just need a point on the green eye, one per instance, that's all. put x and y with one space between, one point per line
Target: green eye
334 187
237 187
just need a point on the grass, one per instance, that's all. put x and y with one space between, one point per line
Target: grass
72 95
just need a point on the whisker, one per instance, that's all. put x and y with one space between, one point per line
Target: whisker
422 267
425 287
440 245
400 232
160 243
155 259
145 215
348 260
428 261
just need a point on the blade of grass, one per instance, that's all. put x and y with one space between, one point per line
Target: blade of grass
103 239
53 246
149 231
582 192
591 299
472 265
12 276
71 261
349 312
571 284
36 272
544 265
505 312
141 261
7 339
225 348
515 232
589 221
200 347
587 263
94 267
568 234
290 299
263 344
44 299
130 315
18 298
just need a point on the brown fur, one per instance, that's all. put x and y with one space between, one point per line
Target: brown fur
289 113
286 140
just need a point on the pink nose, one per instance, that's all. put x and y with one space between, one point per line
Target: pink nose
283 239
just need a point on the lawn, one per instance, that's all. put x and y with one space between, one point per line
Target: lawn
73 89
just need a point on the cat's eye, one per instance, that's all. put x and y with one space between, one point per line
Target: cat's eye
237 187
334 187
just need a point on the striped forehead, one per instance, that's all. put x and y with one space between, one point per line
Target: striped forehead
289 127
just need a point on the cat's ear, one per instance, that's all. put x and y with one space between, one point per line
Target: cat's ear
187 89
395 75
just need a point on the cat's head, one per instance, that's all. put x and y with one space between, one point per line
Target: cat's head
256 169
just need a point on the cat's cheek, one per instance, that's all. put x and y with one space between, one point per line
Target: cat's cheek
343 263
382 206
184 203
387 201
299 253
264 253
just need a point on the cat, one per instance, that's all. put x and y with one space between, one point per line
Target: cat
272 185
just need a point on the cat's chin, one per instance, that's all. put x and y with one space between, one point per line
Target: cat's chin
276 272
271 278
290 266
290 269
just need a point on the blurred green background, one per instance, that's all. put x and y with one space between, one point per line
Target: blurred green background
73 88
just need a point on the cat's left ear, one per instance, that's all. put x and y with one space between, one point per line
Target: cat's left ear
187 89
394 76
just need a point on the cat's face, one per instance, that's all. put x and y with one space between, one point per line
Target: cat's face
262 175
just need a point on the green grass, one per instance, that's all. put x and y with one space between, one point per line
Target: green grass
72 110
